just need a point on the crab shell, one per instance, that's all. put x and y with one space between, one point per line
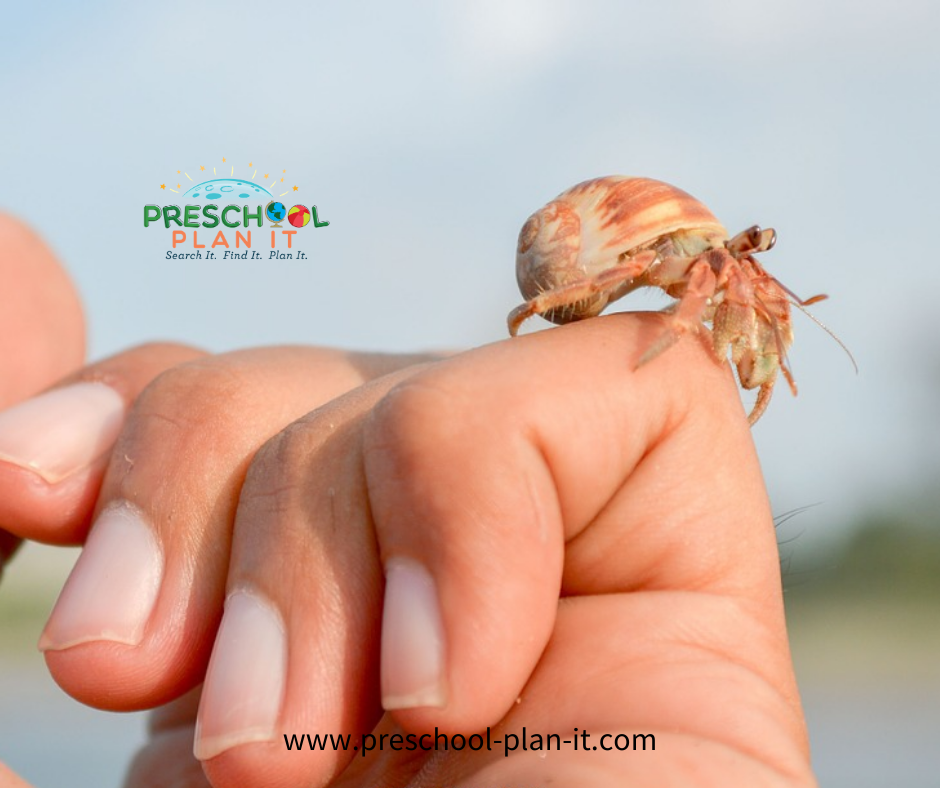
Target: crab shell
590 227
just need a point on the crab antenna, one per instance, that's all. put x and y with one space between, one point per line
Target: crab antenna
800 304
800 301
825 328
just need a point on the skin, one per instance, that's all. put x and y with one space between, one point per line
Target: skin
35 350
601 543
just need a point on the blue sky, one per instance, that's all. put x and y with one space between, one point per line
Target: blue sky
427 132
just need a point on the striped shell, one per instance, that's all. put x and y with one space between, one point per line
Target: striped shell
588 228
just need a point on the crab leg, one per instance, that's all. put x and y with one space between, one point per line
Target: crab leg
764 394
688 312
581 290
733 323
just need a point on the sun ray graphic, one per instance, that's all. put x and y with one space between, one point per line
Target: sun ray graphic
216 189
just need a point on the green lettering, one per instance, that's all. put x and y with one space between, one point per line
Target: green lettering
191 216
171 213
316 219
225 210
258 216
151 214
209 213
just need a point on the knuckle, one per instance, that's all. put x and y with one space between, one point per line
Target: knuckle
414 423
122 371
279 465
279 474
185 389
187 404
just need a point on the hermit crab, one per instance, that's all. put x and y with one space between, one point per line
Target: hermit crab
609 236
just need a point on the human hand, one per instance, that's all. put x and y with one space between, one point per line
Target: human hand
253 394
525 471
42 338
42 329
55 447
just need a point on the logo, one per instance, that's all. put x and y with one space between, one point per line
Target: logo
238 204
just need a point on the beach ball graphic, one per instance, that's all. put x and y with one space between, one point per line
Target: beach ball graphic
298 216
275 211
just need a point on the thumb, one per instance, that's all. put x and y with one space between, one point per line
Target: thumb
42 331
42 328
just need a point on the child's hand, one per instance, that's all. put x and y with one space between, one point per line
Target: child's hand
42 330
42 338
449 506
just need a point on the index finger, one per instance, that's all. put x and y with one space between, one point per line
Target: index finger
551 461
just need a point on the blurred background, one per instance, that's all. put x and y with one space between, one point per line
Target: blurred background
426 133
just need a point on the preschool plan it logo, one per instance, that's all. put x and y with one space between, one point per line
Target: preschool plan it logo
238 204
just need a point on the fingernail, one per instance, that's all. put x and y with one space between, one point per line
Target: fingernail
241 697
113 586
61 431
412 638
